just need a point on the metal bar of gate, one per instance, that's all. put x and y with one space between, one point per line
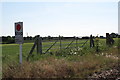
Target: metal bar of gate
84 43
32 49
69 44
51 46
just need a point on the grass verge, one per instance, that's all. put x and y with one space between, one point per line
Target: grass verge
71 66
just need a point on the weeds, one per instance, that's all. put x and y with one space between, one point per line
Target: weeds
65 67
69 63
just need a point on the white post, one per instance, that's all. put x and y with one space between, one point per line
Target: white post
20 56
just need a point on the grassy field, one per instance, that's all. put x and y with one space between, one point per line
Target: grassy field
69 63
10 52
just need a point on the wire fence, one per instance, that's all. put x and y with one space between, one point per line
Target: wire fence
63 44
10 52
59 44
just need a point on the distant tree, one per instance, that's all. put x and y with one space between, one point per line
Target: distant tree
30 37
25 38
62 37
49 37
4 39
114 35
13 37
85 37
8 39
93 37
101 36
118 36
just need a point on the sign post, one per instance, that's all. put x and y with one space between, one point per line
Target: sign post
20 53
19 37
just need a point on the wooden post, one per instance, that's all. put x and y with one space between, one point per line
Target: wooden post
60 42
109 40
91 42
32 49
97 44
39 44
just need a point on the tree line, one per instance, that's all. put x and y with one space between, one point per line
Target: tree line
11 39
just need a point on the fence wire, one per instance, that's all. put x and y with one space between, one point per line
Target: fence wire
63 44
10 52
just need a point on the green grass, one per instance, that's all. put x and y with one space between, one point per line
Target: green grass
75 63
60 67
10 52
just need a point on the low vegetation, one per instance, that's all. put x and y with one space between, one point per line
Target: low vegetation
70 63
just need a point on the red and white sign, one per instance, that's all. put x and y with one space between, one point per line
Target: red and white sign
19 32
18 27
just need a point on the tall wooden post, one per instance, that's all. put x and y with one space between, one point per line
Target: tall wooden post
91 42
60 42
39 44
109 40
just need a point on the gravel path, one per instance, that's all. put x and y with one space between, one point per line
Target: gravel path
112 74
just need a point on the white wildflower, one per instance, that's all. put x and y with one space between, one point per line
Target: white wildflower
75 53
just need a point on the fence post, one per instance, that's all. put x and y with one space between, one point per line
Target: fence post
76 43
35 43
91 42
109 39
60 42
40 45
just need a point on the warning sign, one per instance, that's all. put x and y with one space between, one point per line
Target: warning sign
19 32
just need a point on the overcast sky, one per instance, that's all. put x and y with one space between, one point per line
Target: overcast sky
65 18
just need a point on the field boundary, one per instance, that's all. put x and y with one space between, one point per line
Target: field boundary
38 44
